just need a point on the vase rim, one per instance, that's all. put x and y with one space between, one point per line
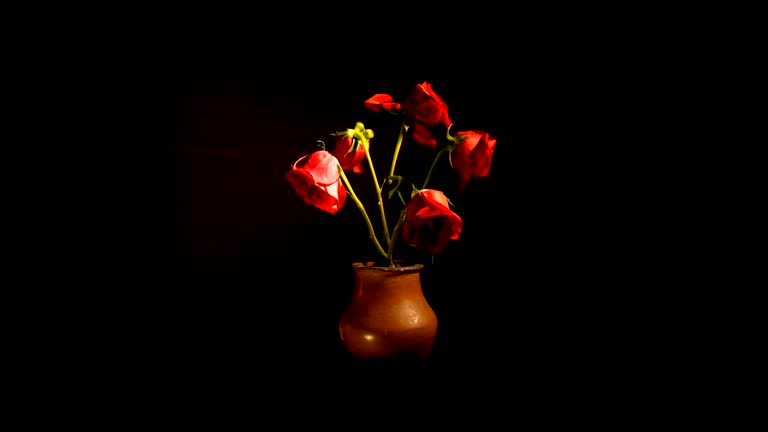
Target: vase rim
381 266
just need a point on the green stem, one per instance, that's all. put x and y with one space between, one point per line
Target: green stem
395 154
397 148
383 214
371 231
434 163
394 233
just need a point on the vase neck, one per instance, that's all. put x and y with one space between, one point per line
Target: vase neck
382 283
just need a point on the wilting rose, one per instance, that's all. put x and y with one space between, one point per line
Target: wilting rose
315 178
349 160
429 223
472 156
380 101
424 109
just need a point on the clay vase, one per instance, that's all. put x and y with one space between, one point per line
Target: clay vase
388 314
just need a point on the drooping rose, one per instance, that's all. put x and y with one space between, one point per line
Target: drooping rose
424 109
315 178
381 101
429 222
473 155
349 160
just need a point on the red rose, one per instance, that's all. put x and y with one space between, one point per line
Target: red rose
424 109
315 177
380 101
349 160
429 223
472 156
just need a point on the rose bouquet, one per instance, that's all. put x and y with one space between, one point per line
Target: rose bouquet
419 215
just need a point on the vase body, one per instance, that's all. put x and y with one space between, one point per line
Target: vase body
388 313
